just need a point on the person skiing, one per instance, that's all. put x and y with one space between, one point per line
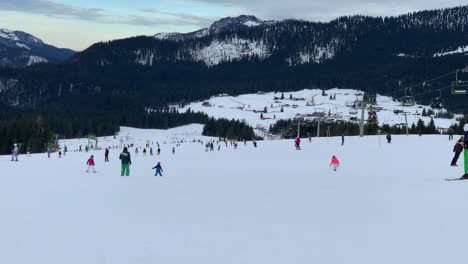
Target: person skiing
80 149
60 154
28 152
65 150
158 169
126 162
335 163
106 155
173 150
151 151
48 152
450 132
342 139
14 152
159 151
90 164
457 149
144 152
298 143
389 138
255 143
136 151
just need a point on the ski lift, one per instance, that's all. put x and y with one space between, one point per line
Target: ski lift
407 100
437 102
460 86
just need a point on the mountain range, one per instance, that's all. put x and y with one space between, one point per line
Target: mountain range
20 49
120 80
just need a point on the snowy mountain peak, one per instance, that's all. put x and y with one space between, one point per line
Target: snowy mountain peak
20 36
229 22
226 23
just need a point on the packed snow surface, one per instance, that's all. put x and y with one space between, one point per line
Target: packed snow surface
308 104
387 203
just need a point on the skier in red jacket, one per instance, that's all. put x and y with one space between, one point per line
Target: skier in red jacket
90 164
298 143
335 163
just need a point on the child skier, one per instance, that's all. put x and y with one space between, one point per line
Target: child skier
335 163
158 169
90 164
298 143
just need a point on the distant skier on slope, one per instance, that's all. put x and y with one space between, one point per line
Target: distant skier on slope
14 152
389 138
126 162
90 164
457 149
298 143
106 155
48 152
342 139
158 169
335 163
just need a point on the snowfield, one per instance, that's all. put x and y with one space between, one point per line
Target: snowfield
388 203
306 103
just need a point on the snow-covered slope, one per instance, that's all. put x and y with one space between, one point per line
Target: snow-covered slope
459 50
308 104
270 204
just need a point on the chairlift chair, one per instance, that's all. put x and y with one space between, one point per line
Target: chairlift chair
459 86
408 101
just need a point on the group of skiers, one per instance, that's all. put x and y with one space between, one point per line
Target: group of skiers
125 160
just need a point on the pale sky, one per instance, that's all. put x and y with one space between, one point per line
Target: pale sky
77 24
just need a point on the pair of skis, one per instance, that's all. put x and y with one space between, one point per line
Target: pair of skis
464 177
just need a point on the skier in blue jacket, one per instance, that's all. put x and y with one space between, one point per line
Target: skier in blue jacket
158 169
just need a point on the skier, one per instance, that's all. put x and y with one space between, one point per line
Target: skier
335 163
458 149
48 152
159 152
450 132
90 164
310 139
65 150
151 151
389 138
14 152
342 139
126 162
80 149
298 143
136 151
28 152
60 154
106 155
255 143
158 169
86 148
144 152
173 150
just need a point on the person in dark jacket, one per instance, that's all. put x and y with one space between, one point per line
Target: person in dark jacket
158 169
457 149
126 162
106 155
389 138
342 139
